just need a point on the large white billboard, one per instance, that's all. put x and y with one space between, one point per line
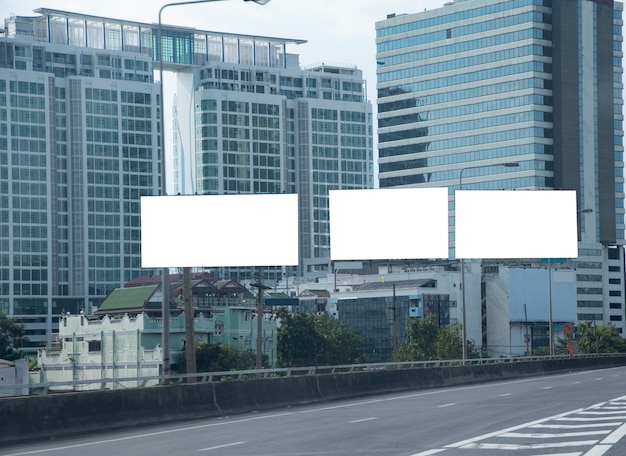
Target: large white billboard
516 224
219 230
386 224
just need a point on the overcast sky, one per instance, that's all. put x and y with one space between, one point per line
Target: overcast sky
338 31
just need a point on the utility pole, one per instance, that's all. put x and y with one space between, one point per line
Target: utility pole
551 328
395 327
190 343
259 322
527 336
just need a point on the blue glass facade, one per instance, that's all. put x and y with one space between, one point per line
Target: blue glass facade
463 86
476 85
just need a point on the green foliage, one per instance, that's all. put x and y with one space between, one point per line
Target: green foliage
308 339
449 343
427 341
219 358
421 338
12 338
599 339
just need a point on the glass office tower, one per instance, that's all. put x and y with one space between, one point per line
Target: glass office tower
476 85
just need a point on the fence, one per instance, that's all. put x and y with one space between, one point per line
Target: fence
42 388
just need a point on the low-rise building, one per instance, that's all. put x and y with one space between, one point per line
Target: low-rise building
123 339
13 378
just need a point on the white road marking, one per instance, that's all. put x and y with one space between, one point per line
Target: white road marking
222 446
616 435
364 419
602 418
532 446
505 394
428 452
605 412
575 426
511 429
547 388
447 405
578 453
598 450
552 436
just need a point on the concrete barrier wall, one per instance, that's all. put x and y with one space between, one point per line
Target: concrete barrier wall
40 418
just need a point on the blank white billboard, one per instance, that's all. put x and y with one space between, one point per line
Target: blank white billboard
516 224
219 230
386 224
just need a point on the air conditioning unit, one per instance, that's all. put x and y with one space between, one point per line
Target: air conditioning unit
416 312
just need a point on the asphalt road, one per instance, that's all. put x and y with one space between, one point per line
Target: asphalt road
575 414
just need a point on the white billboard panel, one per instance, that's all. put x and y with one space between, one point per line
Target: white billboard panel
516 224
386 224
219 230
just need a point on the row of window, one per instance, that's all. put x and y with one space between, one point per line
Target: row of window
141 112
444 19
465 63
25 116
469 125
474 140
465 110
454 95
465 46
26 217
30 231
504 184
481 76
463 30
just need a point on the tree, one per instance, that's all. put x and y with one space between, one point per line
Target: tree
12 338
341 345
427 341
308 339
599 339
421 339
219 358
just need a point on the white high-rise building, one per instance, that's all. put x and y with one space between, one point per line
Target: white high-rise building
249 119
79 145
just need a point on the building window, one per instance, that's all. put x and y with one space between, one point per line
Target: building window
95 345
589 317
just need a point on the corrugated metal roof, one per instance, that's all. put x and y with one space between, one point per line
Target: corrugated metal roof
404 284
134 298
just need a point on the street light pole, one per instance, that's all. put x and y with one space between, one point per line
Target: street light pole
165 271
463 310
551 330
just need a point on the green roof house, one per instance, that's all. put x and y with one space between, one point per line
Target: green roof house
146 299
